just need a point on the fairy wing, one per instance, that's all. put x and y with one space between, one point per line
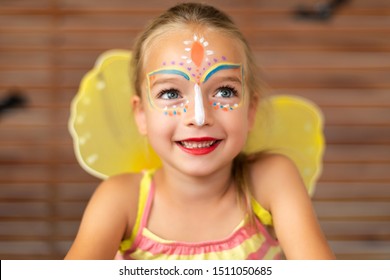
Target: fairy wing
292 126
107 142
105 136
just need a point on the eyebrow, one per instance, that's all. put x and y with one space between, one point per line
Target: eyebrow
170 71
233 79
219 67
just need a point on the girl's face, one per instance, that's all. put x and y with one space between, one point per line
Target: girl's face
195 105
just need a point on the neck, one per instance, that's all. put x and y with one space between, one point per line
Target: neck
184 188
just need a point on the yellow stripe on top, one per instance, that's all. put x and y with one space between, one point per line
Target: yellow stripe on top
240 252
264 216
142 200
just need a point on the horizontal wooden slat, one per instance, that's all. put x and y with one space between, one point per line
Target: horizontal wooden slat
356 172
364 249
118 4
352 191
25 248
357 153
340 97
349 230
357 135
356 211
44 192
25 228
26 209
34 135
37 173
30 190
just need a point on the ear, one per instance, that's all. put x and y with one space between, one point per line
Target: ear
139 115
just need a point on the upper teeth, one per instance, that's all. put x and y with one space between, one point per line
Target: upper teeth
194 145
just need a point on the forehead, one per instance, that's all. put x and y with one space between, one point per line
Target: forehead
192 50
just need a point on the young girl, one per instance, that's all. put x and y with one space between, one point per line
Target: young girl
197 95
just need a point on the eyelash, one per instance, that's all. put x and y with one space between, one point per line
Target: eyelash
165 91
227 87
176 91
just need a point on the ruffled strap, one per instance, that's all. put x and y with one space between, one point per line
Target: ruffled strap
145 198
264 216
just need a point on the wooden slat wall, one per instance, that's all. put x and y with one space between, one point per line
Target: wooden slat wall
343 65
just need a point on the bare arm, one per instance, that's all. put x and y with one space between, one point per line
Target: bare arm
283 192
105 220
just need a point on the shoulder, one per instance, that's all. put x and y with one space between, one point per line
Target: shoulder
119 191
107 219
116 200
273 176
120 185
277 185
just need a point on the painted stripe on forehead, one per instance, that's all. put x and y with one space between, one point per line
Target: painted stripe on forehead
218 67
170 71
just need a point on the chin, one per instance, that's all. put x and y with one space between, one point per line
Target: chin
200 168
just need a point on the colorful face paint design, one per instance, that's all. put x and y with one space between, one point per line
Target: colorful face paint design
198 67
199 108
197 51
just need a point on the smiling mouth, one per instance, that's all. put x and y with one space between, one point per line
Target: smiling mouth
198 146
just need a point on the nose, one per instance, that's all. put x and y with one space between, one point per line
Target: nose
199 114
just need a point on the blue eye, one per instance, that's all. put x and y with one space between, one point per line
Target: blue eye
226 92
169 94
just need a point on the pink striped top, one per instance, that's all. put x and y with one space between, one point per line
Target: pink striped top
245 242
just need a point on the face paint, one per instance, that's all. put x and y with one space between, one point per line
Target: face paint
199 108
197 50
198 67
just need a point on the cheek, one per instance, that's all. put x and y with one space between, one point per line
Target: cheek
160 125
235 123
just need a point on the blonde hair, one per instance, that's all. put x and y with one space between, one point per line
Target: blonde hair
197 15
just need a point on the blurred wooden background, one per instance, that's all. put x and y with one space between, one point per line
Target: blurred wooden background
342 64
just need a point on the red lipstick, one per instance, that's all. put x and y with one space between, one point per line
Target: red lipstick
199 146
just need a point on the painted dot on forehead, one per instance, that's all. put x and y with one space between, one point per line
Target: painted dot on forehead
197 53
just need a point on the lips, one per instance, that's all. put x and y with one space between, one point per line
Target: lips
198 146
